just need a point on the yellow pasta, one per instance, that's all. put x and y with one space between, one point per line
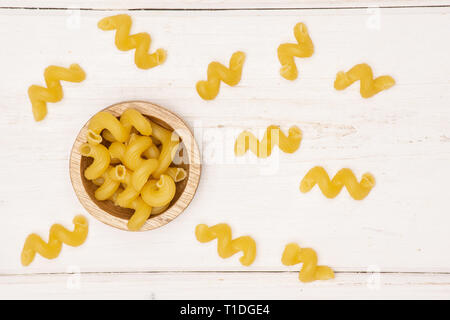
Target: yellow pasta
129 194
368 85
344 177
140 41
152 152
132 118
142 212
310 271
133 153
101 157
142 174
57 236
158 193
170 142
177 174
105 120
217 72
39 96
117 151
273 136
139 149
226 246
304 48
111 182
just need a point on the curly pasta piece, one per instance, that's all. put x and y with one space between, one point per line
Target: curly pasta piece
132 118
125 197
142 212
170 142
140 41
226 246
57 236
177 174
39 96
310 271
101 158
304 48
158 193
344 177
143 173
273 136
105 120
368 85
117 151
217 72
111 182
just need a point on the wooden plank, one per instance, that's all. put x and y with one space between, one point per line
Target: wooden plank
401 136
219 4
235 285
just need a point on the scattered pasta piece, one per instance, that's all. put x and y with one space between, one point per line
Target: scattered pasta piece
304 48
310 271
344 177
57 236
226 247
134 171
368 85
140 41
39 96
217 72
273 136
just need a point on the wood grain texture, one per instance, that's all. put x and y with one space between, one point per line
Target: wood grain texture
118 217
234 285
218 4
402 136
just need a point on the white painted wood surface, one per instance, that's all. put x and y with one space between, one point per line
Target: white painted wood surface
217 4
402 136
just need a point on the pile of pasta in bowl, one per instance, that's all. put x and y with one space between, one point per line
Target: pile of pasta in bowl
132 164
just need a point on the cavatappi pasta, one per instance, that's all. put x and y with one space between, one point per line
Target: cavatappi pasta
331 188
226 246
272 137
57 236
368 85
39 96
131 166
310 271
140 41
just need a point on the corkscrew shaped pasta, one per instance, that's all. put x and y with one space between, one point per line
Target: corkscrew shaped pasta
273 136
368 85
158 193
117 130
57 236
344 177
310 271
304 48
101 157
39 96
217 72
226 247
140 41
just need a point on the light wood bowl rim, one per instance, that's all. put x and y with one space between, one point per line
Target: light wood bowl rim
174 121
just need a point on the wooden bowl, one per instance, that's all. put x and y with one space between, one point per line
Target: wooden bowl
118 217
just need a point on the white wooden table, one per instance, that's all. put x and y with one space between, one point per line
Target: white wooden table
393 244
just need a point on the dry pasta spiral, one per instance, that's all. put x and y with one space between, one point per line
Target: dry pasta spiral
57 236
39 96
304 48
140 41
226 246
273 136
217 72
310 271
368 85
331 188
